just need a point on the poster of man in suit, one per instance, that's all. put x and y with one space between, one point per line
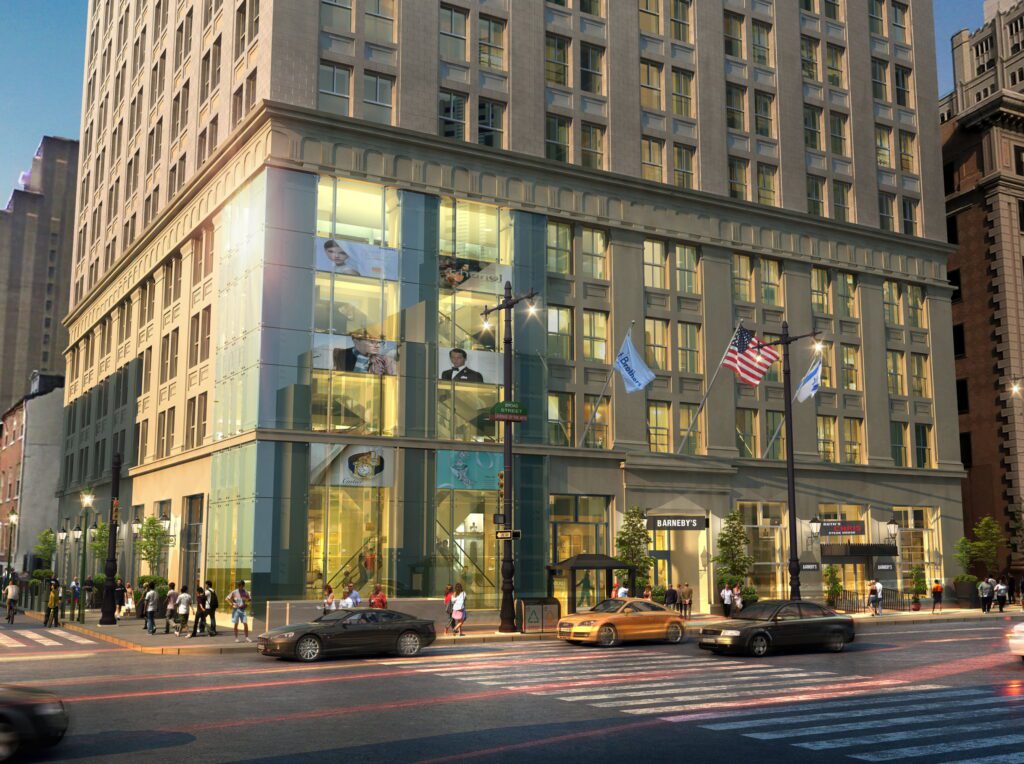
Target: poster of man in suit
458 365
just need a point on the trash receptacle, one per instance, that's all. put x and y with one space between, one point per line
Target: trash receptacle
537 614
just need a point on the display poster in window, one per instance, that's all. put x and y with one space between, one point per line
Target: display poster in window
358 353
478 366
356 258
473 275
352 466
469 470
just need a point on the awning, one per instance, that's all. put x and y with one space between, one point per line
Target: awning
856 553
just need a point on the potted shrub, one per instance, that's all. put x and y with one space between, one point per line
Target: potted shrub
918 587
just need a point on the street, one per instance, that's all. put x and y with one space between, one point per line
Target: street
914 693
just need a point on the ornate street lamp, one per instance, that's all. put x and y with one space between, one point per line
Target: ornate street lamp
893 527
165 521
815 526
12 526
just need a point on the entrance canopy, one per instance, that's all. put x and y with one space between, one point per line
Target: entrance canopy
588 562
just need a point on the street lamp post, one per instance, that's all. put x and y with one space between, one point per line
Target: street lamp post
87 500
508 565
12 526
107 613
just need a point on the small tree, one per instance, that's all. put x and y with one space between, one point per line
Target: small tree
733 561
964 556
631 545
988 538
151 542
98 541
918 586
46 546
833 586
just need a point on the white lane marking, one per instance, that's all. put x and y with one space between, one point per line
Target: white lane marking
610 672
36 637
46 657
732 696
937 749
894 737
999 758
891 721
72 637
863 709
590 688
6 641
562 665
695 693
867 634
552 671
671 687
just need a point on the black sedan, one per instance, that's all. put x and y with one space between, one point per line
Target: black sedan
29 718
347 632
771 625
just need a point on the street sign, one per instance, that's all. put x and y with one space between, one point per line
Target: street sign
508 535
508 411
677 523
809 566
842 527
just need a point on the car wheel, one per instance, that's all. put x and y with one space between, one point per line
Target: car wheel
674 635
607 636
759 645
9 741
308 648
836 642
409 644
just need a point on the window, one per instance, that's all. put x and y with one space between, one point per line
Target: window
560 332
739 181
658 422
334 88
560 410
898 444
915 306
892 303
172 280
837 132
920 384
491 50
735 107
954 281
687 273
681 20
169 356
209 78
650 18
816 195
894 360
183 41
907 153
746 434
811 6
764 114
556 138
827 438
809 58
656 339
963 404
690 423
593 7
592 69
451 115
771 282
556 60
832 10
742 279
453 33
650 85
846 294
766 183
682 172
733 28
827 378
886 201
761 43
876 17
959 341
593 254
689 347
902 87
923 446
596 411
909 208
821 292
834 64
682 93
775 423
899 22
490 128
966 455
880 79
812 127
377 93
655 265
650 159
559 247
850 367
592 146
380 20
595 336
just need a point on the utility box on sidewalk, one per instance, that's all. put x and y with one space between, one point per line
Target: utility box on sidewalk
537 614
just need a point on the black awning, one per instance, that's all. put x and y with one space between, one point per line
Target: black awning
853 553
590 562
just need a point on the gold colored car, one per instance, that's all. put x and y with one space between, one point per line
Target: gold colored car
614 621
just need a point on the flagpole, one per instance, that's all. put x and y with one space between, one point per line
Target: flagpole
707 391
778 428
593 413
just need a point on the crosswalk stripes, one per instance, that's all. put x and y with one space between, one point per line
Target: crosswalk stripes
6 641
35 636
21 638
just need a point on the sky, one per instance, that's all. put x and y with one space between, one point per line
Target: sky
41 84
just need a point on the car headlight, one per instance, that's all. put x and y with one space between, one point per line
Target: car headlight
731 633
586 623
50 709
286 635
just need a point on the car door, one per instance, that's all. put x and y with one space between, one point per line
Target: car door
631 622
653 620
787 626
815 627
332 630
362 632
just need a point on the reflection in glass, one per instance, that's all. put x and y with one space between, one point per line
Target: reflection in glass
461 325
463 411
471 230
465 549
596 413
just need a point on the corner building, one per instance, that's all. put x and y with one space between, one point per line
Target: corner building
297 314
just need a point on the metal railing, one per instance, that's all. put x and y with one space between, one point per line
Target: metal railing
892 601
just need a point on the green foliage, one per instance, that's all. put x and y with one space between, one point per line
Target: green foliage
46 545
151 542
631 544
44 574
658 594
988 538
965 578
833 586
733 561
749 594
99 580
98 541
964 556
919 586
158 581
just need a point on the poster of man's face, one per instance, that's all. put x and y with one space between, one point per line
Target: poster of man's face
473 275
356 258
458 365
361 354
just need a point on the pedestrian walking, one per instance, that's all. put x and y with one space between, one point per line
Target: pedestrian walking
149 603
737 598
937 595
615 590
686 599
11 594
171 607
622 591
52 607
129 601
648 594
586 590
353 594
378 599
329 603
212 603
985 590
459 609
671 598
878 599
199 625
872 598
726 595
118 597
449 595
1000 594
239 600
184 610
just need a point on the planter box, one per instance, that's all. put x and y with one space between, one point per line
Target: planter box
966 594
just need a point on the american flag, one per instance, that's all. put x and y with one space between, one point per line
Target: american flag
749 357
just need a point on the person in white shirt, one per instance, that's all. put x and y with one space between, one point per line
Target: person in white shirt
622 591
184 605
11 593
878 597
726 595
459 609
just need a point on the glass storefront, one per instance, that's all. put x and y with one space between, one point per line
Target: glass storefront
579 525
766 524
918 545
853 575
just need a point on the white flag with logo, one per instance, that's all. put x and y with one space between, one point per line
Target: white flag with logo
810 383
635 373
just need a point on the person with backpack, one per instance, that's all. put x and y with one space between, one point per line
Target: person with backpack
199 625
212 603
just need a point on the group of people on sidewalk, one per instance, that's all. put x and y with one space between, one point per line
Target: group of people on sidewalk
180 604
455 608
1001 592
350 598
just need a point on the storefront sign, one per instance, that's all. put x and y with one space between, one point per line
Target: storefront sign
842 527
885 566
809 566
677 523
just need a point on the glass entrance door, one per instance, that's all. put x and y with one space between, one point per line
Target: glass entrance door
191 541
579 525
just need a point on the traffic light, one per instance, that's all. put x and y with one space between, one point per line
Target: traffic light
501 481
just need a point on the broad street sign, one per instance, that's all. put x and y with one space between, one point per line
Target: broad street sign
508 535
677 523
508 411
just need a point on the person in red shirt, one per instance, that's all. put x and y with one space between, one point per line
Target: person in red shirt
378 599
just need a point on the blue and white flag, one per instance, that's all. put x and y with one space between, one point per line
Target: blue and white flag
811 382
635 373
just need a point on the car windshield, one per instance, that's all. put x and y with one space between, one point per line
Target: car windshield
607 606
759 611
333 615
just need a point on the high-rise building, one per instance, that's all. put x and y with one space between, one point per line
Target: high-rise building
36 238
293 214
983 155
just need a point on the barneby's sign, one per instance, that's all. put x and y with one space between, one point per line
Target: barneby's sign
677 523
842 527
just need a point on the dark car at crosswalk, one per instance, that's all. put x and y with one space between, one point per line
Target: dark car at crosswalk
349 631
773 625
